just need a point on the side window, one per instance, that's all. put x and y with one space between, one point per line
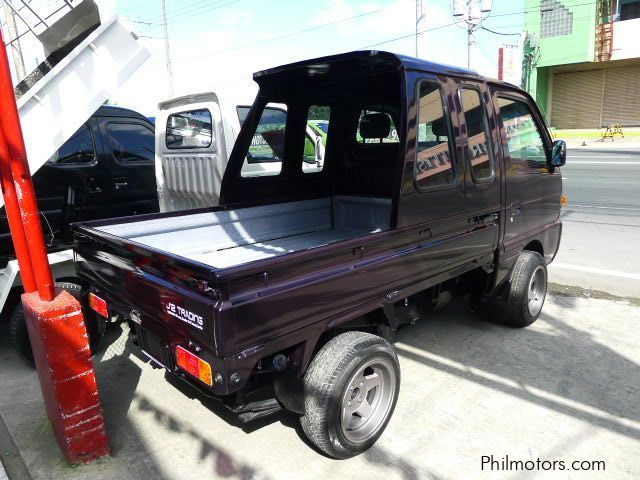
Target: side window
524 141
267 146
130 142
191 129
481 157
315 140
380 127
434 165
78 150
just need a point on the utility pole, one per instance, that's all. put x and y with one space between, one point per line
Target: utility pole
167 54
471 13
420 16
16 50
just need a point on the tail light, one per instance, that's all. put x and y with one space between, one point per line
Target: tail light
194 365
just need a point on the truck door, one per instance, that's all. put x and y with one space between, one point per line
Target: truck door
191 152
533 189
128 145
72 185
451 184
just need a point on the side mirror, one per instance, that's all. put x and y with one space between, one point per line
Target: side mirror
559 153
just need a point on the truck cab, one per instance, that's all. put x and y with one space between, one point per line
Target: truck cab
435 181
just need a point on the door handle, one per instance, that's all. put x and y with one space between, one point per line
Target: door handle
514 208
120 182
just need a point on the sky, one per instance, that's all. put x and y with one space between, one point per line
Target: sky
216 45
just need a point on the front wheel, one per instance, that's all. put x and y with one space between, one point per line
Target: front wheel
527 290
350 391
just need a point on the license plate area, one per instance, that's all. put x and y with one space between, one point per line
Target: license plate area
153 347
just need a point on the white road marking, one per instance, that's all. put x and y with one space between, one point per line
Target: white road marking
601 271
603 208
578 162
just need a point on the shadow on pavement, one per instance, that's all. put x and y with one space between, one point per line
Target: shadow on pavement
562 368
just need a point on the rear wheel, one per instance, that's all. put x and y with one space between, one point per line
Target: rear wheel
350 392
19 334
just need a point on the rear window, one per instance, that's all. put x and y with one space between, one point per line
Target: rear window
190 129
380 116
265 154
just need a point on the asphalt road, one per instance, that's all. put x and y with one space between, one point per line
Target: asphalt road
601 234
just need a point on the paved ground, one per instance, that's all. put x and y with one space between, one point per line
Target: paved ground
601 222
568 388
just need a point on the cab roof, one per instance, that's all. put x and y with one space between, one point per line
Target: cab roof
366 61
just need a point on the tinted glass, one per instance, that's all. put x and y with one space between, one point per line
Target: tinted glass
267 145
524 141
477 132
315 138
434 161
130 142
192 129
77 150
242 114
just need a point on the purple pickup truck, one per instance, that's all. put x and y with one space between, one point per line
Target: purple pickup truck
300 279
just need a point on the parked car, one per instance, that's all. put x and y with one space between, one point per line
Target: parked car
300 279
105 170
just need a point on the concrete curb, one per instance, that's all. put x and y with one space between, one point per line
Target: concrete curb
10 458
618 151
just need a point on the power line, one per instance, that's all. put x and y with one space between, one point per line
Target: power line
298 32
499 33
193 8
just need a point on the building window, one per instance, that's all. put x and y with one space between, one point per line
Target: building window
555 19
629 9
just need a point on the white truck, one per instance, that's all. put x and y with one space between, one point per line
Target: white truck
194 138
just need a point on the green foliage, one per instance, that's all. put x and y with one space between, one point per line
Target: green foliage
317 112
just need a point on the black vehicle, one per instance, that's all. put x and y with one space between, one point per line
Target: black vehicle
105 170
300 279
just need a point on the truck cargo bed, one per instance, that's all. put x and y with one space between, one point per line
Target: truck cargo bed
223 239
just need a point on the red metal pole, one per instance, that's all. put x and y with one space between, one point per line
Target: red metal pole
14 218
10 123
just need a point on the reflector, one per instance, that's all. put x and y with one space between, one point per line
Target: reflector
98 304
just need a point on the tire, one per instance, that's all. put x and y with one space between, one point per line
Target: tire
335 417
19 334
527 290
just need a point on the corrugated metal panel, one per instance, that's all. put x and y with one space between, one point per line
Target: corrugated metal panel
622 96
192 181
577 99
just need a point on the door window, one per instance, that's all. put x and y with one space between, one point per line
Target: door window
78 150
315 140
525 145
265 154
434 166
130 142
480 155
191 129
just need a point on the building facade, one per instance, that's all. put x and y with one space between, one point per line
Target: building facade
582 61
